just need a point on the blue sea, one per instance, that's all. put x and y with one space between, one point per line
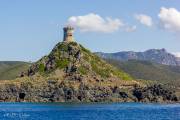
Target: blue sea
101 111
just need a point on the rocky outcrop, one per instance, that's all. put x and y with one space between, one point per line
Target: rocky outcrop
155 93
64 56
72 58
68 91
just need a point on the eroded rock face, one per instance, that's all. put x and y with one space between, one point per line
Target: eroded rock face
156 93
54 91
64 56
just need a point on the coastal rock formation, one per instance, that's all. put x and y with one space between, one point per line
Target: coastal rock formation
33 90
71 73
155 93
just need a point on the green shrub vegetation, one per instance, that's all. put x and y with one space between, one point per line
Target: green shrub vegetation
105 70
41 68
63 47
73 43
62 63
149 71
83 70
85 50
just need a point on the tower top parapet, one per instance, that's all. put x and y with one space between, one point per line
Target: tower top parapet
68 28
68 34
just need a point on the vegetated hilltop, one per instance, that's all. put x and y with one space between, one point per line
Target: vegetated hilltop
71 73
71 59
11 69
160 56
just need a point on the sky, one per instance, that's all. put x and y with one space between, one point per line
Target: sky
29 29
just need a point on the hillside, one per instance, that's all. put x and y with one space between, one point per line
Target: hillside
11 69
150 71
72 58
160 56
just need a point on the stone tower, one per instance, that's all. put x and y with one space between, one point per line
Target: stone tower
68 34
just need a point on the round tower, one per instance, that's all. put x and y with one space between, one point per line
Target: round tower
68 34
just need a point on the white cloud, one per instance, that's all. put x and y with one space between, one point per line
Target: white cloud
95 23
177 54
130 28
170 19
144 19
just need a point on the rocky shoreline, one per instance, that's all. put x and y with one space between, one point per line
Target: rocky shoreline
67 91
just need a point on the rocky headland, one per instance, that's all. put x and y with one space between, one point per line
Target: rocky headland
71 73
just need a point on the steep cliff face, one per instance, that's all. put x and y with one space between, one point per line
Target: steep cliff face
38 89
160 56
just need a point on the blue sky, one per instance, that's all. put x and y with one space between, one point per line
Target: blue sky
30 29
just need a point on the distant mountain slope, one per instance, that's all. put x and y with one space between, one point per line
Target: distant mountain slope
12 69
160 56
150 71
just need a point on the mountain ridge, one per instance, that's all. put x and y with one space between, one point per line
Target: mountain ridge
154 55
